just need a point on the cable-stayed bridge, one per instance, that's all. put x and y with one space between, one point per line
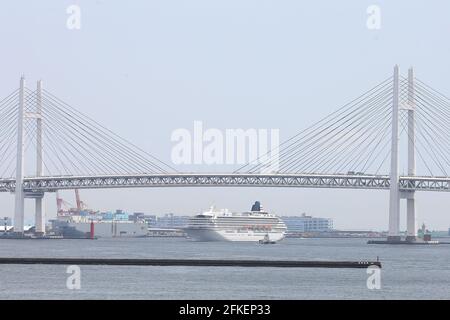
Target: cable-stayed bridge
356 147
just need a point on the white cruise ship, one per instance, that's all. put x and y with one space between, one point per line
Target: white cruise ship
222 225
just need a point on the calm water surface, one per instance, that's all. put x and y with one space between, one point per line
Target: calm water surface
409 272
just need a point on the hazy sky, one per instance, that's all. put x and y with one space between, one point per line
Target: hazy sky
146 68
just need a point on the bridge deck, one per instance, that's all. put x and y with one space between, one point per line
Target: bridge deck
341 181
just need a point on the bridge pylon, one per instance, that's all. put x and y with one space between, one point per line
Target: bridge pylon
411 226
19 192
39 203
395 194
20 195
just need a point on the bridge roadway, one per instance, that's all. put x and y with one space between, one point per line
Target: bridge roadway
36 185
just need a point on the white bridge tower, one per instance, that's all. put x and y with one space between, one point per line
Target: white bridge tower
20 195
395 195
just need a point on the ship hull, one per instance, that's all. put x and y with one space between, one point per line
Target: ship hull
111 229
231 235
103 229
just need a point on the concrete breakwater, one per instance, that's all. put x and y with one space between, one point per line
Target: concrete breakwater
193 262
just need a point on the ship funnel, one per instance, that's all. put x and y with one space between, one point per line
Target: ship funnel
256 206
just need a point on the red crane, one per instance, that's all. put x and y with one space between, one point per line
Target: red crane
80 204
64 207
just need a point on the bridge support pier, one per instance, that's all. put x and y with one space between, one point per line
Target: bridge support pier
40 217
411 227
411 230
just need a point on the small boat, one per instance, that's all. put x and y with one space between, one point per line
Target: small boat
266 240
